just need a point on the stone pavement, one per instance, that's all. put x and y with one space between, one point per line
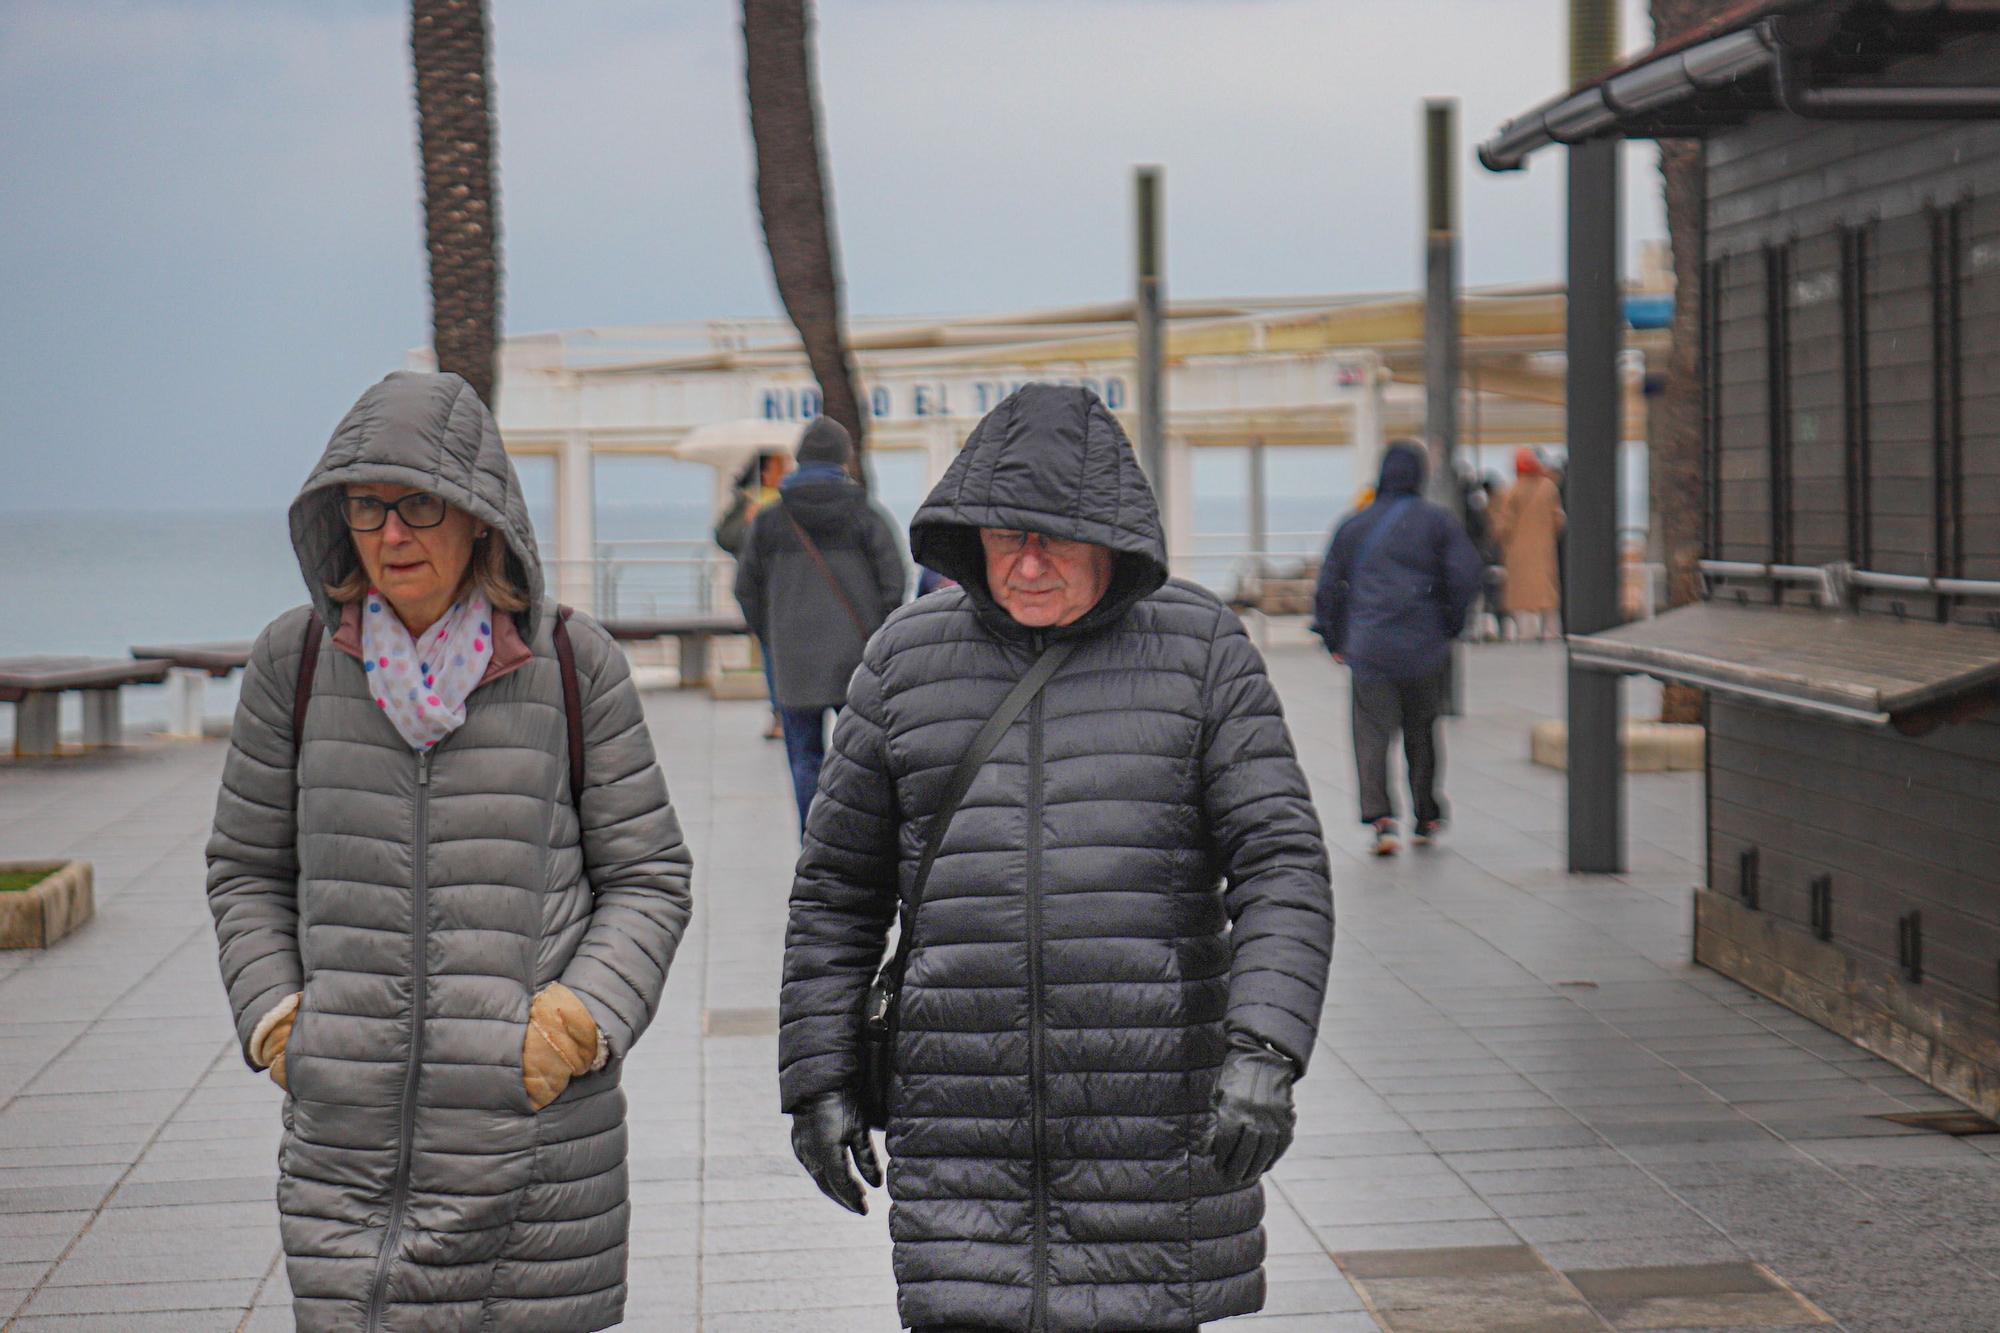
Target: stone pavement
1528 1112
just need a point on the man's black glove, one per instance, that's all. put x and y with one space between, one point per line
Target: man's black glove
1253 1110
824 1131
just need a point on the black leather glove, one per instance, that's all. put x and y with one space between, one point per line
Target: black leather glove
824 1131
1253 1110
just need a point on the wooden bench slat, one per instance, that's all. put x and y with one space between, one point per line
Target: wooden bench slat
217 659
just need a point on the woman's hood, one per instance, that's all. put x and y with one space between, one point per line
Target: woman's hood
1048 459
424 430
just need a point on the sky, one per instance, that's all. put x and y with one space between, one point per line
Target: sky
211 230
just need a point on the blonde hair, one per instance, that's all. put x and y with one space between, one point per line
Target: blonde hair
487 572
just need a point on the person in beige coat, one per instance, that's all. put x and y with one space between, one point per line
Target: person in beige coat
1527 520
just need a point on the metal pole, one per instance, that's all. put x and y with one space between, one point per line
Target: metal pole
1258 528
1146 311
1441 334
1596 749
1441 350
1259 533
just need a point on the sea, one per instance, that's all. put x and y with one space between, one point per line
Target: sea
94 583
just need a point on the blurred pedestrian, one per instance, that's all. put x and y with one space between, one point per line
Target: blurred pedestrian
1393 593
443 915
819 572
756 488
1477 502
1113 960
1528 522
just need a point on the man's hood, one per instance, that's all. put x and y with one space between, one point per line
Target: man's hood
424 430
1404 468
824 500
1052 460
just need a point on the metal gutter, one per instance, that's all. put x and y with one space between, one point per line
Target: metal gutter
1791 76
1655 85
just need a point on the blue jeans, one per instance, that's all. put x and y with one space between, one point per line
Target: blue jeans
805 747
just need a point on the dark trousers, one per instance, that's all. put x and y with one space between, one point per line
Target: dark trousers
805 747
1382 707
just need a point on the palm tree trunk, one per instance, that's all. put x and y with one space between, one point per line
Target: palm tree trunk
1677 481
793 199
461 219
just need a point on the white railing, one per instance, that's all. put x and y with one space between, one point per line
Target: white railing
652 577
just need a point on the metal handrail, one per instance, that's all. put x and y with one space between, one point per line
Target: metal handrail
1825 580
1869 579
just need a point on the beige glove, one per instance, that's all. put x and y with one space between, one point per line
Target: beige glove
561 1043
274 1031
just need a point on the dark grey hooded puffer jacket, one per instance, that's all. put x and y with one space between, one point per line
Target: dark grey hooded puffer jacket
1137 871
419 903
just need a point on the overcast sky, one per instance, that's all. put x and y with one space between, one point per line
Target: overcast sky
211 239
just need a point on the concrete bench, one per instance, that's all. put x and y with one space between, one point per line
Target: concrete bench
192 665
35 686
693 633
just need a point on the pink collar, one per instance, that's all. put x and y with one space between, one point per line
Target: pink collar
510 651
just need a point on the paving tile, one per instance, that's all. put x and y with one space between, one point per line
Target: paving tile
1734 1295
1459 1085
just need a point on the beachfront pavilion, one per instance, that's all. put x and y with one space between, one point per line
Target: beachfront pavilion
1266 373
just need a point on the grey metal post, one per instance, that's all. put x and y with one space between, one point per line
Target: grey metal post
1146 311
1259 534
1441 332
1596 328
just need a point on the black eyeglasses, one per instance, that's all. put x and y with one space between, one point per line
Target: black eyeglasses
418 509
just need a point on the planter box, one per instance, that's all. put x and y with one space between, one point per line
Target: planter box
1650 747
35 918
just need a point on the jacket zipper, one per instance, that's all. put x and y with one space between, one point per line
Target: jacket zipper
399 1195
1038 1315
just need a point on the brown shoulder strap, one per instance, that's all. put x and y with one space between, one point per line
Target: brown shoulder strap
826 572
308 668
572 708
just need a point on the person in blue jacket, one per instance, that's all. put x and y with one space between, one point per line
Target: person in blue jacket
1398 581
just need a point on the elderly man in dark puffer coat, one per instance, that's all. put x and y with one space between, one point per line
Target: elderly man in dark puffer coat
1121 953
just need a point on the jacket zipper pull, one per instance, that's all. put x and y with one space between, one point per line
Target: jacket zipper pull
424 769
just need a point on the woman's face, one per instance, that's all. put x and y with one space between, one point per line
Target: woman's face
418 569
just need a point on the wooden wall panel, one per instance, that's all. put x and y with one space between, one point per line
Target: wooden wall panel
1818 471
1901 824
1744 424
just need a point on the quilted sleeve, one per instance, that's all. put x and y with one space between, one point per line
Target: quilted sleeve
1261 817
253 861
843 898
633 852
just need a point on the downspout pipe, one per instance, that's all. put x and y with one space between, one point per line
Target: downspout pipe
1791 76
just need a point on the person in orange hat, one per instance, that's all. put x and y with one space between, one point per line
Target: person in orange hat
1527 519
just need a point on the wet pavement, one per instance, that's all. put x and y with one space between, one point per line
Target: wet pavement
1528 1112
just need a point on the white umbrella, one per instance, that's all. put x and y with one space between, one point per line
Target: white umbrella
727 445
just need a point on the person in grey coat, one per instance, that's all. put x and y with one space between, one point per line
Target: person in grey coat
818 573
439 948
1121 953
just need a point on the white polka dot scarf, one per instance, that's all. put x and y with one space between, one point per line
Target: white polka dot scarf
422 687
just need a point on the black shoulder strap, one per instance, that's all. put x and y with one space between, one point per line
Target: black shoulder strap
968 768
302 691
572 709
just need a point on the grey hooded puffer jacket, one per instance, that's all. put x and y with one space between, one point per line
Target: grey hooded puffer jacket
1135 873
419 903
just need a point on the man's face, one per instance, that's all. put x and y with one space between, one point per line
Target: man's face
1042 581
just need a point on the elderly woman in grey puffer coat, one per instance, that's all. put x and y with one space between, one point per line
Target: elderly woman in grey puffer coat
439 948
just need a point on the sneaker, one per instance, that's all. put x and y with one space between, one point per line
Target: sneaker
1385 838
1427 832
